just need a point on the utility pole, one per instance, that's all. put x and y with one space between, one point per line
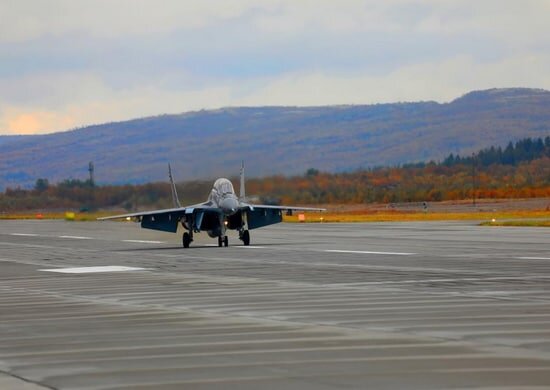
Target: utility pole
91 171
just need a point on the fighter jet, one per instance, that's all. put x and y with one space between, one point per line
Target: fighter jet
221 212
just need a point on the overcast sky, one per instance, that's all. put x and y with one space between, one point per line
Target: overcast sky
70 63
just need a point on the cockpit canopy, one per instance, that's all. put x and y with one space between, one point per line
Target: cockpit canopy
221 188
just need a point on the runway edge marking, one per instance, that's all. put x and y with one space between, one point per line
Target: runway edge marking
85 270
145 241
77 237
370 252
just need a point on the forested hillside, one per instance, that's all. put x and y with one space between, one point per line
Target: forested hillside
277 140
521 170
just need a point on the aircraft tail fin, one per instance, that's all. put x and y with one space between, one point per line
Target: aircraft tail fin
242 192
175 198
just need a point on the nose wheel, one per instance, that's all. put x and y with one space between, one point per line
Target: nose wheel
223 241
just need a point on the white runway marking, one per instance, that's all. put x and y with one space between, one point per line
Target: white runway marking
24 234
250 246
533 258
145 241
453 280
77 237
370 252
85 270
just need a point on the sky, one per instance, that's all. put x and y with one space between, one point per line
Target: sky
70 63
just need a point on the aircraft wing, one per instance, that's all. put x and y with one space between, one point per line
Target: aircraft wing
144 213
259 215
291 208
174 211
167 220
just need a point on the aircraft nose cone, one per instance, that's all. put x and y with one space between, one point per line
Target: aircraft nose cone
229 206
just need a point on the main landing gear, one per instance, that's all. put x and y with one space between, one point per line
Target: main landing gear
223 241
187 238
244 236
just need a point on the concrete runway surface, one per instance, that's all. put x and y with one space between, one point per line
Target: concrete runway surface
355 306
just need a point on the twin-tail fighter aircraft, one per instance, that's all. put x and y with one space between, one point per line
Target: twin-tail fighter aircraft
222 211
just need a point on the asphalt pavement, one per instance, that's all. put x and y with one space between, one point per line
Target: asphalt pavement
107 305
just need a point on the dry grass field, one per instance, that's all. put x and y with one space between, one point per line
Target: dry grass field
516 212
405 216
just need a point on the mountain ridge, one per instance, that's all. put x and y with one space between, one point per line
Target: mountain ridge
273 139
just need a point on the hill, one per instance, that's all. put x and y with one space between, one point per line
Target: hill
521 170
4 139
207 144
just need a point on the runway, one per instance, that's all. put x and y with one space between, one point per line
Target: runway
307 306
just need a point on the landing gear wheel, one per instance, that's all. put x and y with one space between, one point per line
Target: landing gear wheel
220 241
246 238
225 241
186 240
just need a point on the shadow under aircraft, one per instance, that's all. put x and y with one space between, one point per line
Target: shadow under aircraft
221 212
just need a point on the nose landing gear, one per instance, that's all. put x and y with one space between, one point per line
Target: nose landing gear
223 241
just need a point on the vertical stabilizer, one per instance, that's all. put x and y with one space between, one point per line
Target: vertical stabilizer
175 198
242 192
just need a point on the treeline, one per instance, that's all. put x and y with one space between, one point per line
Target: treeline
432 182
521 170
527 149
82 196
524 150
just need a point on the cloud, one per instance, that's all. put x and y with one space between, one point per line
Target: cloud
82 98
446 79
516 23
68 64
27 20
